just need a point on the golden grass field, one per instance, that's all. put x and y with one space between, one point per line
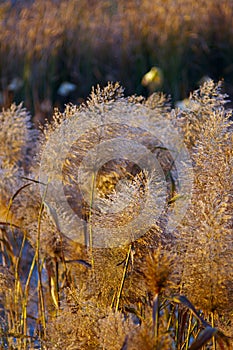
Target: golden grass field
119 104
161 290
84 42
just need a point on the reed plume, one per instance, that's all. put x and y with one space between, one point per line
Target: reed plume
206 234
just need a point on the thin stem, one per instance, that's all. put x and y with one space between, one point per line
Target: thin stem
26 292
90 219
123 278
39 269
18 287
212 324
189 332
155 317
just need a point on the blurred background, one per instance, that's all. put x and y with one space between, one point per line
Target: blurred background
53 51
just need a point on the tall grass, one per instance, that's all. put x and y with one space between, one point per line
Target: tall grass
161 291
45 43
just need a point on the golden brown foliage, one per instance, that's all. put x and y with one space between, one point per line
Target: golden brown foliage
45 42
121 297
206 235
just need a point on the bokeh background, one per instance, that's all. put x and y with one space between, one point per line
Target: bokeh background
53 51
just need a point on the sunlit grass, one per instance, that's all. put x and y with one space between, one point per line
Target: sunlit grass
47 43
161 291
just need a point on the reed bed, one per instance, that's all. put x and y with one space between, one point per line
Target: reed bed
161 290
45 44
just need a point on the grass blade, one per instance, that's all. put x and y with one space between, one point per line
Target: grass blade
203 338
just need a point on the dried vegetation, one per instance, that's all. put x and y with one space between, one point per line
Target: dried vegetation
161 290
